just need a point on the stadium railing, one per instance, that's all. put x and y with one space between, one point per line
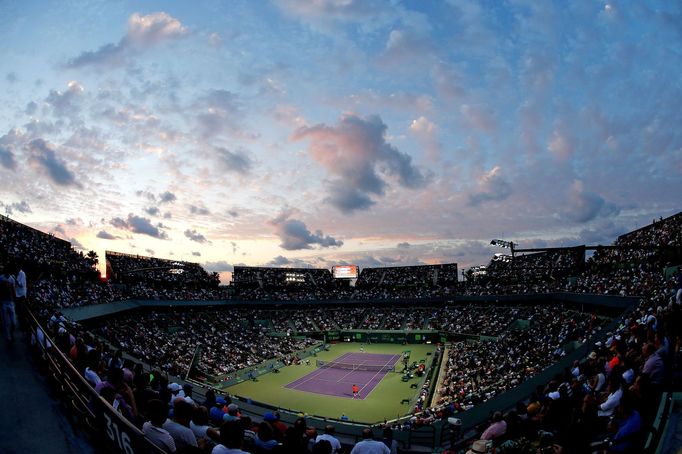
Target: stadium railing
109 430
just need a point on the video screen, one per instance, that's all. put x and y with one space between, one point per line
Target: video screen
345 272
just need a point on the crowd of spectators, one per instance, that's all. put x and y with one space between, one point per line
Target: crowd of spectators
614 390
41 252
543 267
128 269
479 370
230 340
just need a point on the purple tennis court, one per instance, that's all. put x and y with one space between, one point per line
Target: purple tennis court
336 381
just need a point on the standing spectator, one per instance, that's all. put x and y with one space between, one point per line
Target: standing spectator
329 436
369 446
7 291
389 441
20 293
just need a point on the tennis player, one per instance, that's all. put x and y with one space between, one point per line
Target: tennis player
356 391
362 348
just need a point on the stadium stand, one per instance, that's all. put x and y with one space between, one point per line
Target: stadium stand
607 400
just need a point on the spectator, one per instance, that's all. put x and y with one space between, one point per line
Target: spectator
265 440
369 446
232 413
496 429
7 291
157 412
328 435
389 441
231 439
178 427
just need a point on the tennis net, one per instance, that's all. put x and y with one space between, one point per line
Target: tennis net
351 366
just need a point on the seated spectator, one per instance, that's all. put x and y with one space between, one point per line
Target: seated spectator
231 439
628 437
322 447
328 435
369 446
232 413
157 412
178 427
200 426
496 429
612 399
265 440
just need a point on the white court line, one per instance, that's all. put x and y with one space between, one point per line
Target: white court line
394 359
311 376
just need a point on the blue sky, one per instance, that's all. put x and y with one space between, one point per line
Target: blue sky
309 133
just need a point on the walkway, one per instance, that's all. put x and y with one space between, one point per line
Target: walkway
30 419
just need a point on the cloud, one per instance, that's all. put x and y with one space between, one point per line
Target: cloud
405 245
152 211
281 261
150 251
219 111
7 159
346 10
295 235
152 29
104 235
21 207
218 267
167 197
356 154
45 157
347 199
76 244
196 253
561 144
11 77
201 211
234 161
491 186
583 206
233 213
138 224
143 32
66 102
214 39
426 133
193 235
478 117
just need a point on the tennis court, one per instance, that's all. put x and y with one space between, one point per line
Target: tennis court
336 378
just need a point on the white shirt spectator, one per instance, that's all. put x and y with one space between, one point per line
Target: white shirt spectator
160 437
20 289
92 377
183 436
220 449
370 447
607 408
336 444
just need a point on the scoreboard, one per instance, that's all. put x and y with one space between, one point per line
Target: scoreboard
345 271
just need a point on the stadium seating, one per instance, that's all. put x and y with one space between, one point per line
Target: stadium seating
623 376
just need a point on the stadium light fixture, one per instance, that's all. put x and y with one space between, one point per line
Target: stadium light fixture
503 243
